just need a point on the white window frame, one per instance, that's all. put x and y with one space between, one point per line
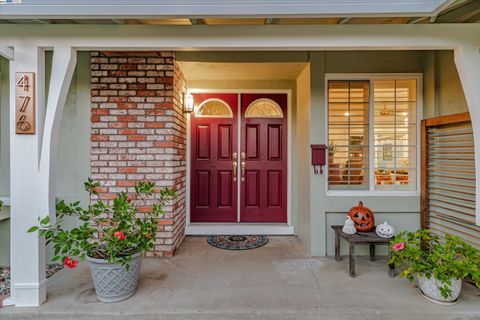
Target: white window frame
371 77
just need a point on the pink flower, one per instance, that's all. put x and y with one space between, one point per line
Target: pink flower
119 235
70 263
399 246
129 200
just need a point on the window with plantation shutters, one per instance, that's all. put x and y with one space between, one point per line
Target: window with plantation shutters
373 133
348 127
395 134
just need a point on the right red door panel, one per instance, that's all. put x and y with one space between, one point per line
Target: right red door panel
263 159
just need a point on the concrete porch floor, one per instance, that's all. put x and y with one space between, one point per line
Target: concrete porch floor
278 281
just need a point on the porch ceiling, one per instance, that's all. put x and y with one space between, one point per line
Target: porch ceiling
241 71
210 13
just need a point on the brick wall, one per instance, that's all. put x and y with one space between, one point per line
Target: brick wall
138 131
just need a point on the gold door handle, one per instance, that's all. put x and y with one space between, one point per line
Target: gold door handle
235 165
243 170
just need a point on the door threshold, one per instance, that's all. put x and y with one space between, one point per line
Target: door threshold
202 229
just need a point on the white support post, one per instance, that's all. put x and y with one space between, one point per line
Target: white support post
63 67
467 60
33 159
28 283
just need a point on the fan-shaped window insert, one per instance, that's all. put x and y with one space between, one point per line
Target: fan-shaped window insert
264 108
214 108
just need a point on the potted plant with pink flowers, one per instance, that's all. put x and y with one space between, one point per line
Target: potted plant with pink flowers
112 237
440 265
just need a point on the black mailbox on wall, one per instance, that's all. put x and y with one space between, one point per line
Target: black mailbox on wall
318 157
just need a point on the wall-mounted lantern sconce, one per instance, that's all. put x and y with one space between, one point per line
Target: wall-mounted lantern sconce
188 104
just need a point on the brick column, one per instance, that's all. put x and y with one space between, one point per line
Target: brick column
138 131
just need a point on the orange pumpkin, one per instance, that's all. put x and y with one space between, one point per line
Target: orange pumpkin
363 218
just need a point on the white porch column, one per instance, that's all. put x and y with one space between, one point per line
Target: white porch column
27 250
467 60
33 159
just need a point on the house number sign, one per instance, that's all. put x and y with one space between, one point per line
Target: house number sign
25 102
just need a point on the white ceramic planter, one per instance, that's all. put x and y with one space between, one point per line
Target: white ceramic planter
112 281
430 290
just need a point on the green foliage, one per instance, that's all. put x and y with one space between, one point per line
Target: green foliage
112 231
1 205
428 255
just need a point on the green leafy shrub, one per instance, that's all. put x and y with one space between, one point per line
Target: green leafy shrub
423 253
106 231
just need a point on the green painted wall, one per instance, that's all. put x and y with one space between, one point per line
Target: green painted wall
442 95
328 210
74 143
74 158
301 183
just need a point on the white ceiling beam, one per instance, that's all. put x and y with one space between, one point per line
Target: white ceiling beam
109 9
7 52
276 37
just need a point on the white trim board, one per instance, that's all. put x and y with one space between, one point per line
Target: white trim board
202 229
271 37
279 227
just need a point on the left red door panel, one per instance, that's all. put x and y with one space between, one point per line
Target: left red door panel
214 144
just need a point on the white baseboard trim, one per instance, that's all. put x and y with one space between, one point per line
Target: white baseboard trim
201 229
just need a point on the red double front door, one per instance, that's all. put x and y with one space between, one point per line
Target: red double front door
239 158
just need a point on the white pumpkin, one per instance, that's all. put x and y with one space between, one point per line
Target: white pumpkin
385 230
349 226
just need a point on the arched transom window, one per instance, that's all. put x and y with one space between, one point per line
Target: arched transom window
214 108
264 108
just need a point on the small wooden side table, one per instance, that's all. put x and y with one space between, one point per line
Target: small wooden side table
369 238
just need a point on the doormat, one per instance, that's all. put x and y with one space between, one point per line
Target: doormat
50 270
237 242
